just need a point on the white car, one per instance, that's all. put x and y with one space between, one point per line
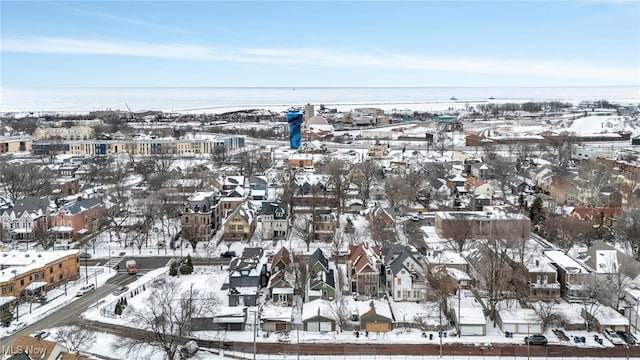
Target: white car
86 289
613 337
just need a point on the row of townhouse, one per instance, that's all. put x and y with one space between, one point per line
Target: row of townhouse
168 146
32 218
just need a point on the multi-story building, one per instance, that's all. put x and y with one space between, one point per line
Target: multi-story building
25 220
275 220
201 216
247 275
76 219
15 144
27 273
241 224
404 273
364 269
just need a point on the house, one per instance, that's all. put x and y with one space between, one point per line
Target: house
322 285
538 275
300 161
378 151
281 260
480 171
232 182
76 219
247 274
448 258
324 224
603 216
281 287
363 267
404 273
200 216
575 277
386 215
520 184
275 220
276 318
479 187
241 223
322 281
317 315
230 318
258 188
24 220
232 199
467 314
374 315
519 321
353 206
451 280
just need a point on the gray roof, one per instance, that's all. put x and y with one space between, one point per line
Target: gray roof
394 256
328 278
270 207
249 260
80 206
30 204
318 256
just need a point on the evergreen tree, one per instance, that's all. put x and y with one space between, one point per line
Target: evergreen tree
173 270
187 266
535 212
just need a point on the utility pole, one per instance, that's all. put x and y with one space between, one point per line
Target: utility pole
459 315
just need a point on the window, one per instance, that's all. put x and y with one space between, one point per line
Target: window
60 276
398 281
399 294
21 282
60 265
4 291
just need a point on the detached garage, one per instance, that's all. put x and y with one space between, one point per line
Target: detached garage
276 318
375 316
316 316
519 321
471 318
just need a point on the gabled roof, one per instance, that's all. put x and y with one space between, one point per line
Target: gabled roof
270 207
281 256
246 211
45 347
322 277
249 260
318 257
258 180
81 206
363 255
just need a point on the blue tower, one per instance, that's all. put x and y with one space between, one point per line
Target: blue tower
295 119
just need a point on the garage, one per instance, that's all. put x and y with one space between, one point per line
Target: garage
519 321
377 327
281 326
472 330
313 326
325 326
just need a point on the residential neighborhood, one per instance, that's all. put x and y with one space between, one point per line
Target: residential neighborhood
416 231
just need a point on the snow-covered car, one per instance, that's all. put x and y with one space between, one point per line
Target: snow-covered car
120 290
613 337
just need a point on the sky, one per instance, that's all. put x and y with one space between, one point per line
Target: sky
319 43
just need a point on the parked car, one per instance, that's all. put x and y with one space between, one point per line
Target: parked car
536 339
86 289
228 254
120 290
613 337
17 327
84 255
41 334
627 337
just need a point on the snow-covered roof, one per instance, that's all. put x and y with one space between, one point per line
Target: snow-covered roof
567 262
381 308
276 313
316 307
520 316
25 261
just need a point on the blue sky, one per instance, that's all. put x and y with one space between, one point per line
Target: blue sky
319 43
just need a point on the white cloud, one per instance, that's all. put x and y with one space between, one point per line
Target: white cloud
324 58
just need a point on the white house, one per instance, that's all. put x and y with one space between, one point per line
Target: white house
405 275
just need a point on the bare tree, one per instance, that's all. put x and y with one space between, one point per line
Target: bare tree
303 227
629 232
75 336
399 193
336 170
18 180
594 177
363 176
549 315
561 150
566 231
440 142
168 317
340 310
458 231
